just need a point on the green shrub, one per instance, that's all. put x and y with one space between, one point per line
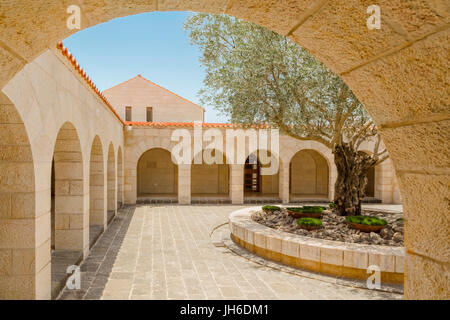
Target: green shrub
295 209
314 207
332 205
271 208
307 209
366 220
309 222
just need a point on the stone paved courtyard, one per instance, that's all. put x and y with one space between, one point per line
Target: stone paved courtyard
165 252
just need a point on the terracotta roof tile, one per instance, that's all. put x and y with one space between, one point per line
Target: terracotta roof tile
186 124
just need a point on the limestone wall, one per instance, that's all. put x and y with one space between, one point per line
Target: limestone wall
51 112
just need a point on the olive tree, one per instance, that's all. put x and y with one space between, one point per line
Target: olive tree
256 76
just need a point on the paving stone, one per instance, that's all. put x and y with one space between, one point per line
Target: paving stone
165 252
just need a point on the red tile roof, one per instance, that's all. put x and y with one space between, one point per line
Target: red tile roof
186 124
83 74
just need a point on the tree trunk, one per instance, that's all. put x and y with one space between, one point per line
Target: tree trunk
352 167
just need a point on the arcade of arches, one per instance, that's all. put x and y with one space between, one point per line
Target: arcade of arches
51 114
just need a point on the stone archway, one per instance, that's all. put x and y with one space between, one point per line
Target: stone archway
157 176
398 73
111 184
97 207
69 193
371 178
309 176
210 182
258 186
22 255
71 232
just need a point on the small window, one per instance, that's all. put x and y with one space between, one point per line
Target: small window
127 113
149 114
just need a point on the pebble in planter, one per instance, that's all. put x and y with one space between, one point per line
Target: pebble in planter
366 223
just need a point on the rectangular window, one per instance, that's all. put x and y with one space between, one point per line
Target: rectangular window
149 114
127 113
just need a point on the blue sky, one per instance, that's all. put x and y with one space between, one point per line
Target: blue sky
151 44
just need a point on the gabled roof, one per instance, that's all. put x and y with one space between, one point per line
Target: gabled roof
155 85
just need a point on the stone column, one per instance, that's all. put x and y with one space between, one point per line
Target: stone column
111 185
384 174
332 181
284 183
184 184
237 183
130 183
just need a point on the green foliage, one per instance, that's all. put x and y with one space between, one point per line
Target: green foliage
307 209
271 208
309 222
366 220
314 207
332 205
257 76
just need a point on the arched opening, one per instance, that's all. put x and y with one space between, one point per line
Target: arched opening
370 187
370 190
20 262
97 212
308 177
111 183
258 187
68 209
119 179
157 177
210 182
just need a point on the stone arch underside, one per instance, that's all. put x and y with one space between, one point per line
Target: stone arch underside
398 73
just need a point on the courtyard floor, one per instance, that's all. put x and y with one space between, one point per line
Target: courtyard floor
165 252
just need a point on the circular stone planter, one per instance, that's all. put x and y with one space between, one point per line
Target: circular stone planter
347 260
365 228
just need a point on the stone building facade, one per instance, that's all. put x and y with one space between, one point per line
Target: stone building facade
306 168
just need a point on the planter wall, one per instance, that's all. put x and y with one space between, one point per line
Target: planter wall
334 258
